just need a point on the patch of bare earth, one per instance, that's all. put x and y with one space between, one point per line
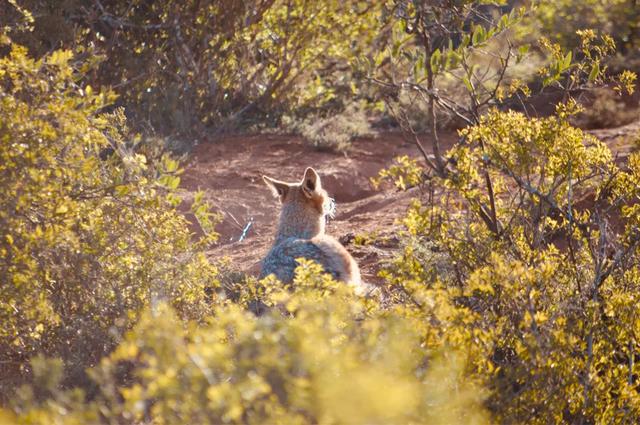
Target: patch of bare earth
230 172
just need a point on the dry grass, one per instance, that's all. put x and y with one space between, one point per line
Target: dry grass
335 132
607 109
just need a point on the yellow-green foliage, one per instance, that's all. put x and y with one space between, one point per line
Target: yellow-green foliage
185 64
318 355
405 172
560 19
528 244
85 242
103 295
514 299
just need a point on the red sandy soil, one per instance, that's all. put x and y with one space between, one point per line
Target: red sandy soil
230 172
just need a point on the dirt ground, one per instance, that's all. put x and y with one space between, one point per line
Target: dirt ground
230 172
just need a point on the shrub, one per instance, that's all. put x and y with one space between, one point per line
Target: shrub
319 355
186 66
542 246
561 19
336 132
89 234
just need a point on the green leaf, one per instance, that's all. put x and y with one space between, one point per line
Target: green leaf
435 60
467 84
62 209
171 165
447 60
479 35
170 182
522 51
566 62
595 72
379 58
504 22
418 65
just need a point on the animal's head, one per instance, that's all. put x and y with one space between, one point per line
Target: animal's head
307 194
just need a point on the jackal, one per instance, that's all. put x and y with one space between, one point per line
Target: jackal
301 232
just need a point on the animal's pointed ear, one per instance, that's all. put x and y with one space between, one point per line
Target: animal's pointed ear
279 189
311 181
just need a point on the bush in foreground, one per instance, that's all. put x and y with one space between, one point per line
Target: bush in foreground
89 233
538 230
319 354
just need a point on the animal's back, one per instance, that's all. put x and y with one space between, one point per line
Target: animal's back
300 234
323 249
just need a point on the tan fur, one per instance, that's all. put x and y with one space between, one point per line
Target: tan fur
301 232
338 255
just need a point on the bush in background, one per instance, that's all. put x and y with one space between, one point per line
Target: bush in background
185 66
335 132
559 20
607 109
